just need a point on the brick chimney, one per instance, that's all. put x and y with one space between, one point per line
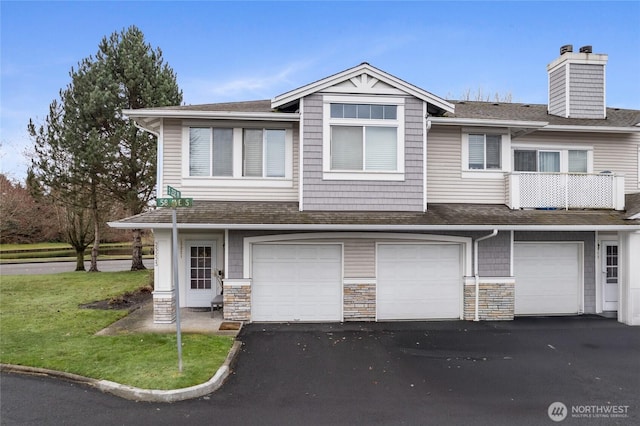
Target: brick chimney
577 84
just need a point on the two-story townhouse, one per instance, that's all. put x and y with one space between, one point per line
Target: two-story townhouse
361 197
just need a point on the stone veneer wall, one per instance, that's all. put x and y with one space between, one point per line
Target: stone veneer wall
164 309
237 301
359 302
496 303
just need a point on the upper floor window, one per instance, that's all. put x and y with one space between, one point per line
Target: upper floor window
234 154
363 140
485 152
551 161
210 151
263 153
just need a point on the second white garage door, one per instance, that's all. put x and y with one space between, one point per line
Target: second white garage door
548 278
296 282
418 281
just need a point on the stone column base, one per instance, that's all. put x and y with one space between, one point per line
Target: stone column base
496 301
237 299
359 302
164 307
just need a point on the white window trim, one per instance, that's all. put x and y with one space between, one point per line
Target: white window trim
505 153
562 149
327 173
237 180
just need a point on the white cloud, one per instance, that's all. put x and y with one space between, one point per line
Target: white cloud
240 85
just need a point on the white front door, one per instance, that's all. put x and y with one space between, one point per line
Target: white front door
201 267
610 275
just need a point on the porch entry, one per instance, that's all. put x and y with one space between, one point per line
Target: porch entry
201 283
610 275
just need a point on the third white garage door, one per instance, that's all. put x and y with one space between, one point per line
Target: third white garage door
418 281
548 278
296 282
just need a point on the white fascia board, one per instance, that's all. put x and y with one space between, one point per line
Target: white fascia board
327 82
487 122
218 115
328 227
591 129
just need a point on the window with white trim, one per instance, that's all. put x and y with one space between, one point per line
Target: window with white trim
245 153
263 153
485 151
363 138
367 146
551 161
210 151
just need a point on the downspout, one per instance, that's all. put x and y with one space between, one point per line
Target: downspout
425 130
475 270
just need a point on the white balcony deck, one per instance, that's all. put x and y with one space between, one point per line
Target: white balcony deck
565 190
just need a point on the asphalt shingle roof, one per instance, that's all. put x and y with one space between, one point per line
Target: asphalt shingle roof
616 117
467 215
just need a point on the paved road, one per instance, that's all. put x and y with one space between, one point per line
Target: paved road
419 373
55 267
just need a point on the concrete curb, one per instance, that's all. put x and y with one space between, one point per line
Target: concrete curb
139 394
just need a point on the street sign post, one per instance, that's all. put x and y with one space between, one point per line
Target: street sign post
174 202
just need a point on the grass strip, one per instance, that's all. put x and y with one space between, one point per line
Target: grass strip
41 325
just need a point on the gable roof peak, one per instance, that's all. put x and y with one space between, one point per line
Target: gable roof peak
379 82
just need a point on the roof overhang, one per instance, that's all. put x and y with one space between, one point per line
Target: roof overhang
143 115
592 129
517 128
530 125
338 227
326 83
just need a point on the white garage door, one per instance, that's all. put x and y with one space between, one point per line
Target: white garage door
296 282
547 278
418 281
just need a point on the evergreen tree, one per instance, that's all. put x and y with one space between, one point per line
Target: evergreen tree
57 173
103 156
136 76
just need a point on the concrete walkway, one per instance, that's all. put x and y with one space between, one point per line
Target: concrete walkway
192 320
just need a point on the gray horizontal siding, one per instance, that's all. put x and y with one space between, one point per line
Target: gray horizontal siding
360 257
586 91
322 194
557 92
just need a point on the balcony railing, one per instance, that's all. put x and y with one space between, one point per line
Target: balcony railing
565 190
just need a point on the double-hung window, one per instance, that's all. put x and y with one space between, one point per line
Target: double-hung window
263 153
210 151
485 151
364 140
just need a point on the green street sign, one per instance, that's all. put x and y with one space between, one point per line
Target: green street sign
174 193
174 202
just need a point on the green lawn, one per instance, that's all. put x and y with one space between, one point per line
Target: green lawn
41 325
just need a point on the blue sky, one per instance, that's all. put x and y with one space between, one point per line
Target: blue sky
232 51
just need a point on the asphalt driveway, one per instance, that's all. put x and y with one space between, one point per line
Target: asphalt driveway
441 372
497 373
